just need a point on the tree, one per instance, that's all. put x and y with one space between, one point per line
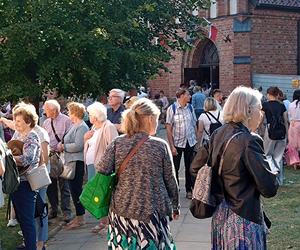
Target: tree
89 46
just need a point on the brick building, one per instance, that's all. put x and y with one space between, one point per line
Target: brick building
258 44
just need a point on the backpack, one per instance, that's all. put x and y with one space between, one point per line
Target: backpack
174 108
10 179
276 128
213 125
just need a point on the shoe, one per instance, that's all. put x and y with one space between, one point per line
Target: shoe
20 233
12 223
189 195
22 246
52 215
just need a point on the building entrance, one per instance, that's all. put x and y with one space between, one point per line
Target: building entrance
205 68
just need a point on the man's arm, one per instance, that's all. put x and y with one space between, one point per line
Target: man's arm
170 138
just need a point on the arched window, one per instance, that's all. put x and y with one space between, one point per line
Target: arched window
213 9
233 7
209 55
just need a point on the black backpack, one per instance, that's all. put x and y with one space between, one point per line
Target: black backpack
10 179
276 128
213 125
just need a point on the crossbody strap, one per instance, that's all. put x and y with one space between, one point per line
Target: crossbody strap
56 136
217 119
222 157
131 154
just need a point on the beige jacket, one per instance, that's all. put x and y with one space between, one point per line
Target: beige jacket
105 137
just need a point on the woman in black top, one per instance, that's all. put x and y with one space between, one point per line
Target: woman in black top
276 131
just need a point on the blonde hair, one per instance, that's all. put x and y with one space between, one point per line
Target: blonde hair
210 104
239 104
28 113
77 109
98 111
132 122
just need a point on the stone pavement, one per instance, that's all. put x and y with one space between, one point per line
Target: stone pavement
189 233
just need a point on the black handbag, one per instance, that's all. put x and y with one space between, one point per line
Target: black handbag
204 203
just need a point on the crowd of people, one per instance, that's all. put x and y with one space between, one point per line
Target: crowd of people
98 136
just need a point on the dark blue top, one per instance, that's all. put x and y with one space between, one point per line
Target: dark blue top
115 116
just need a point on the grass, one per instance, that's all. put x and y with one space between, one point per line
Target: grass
284 212
9 237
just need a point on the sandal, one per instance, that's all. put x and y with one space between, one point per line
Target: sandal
74 225
98 228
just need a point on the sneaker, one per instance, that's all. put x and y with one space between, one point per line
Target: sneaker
22 246
189 195
20 233
12 223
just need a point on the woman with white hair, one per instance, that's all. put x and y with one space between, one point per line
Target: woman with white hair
98 138
103 132
238 221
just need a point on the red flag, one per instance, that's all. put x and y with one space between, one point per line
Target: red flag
213 31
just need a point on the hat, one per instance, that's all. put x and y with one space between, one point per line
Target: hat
16 147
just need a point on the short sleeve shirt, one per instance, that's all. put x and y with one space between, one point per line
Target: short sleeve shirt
273 107
183 122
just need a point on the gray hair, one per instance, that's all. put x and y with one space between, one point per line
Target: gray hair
53 104
119 92
98 111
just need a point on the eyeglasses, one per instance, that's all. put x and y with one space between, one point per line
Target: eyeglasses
113 96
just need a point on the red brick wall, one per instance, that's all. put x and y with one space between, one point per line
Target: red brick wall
272 46
274 42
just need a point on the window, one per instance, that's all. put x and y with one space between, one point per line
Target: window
213 9
233 7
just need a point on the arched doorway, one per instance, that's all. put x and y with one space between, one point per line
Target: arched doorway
205 65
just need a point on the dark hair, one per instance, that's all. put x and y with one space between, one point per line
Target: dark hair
161 92
296 96
215 91
157 96
181 92
274 91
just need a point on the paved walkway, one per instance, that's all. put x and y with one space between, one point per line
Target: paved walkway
188 232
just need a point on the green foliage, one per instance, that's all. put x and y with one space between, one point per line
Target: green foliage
84 46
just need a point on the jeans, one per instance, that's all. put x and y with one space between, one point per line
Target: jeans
91 171
65 197
76 187
274 150
24 204
42 231
188 157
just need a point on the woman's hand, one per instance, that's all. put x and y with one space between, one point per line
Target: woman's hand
88 135
60 147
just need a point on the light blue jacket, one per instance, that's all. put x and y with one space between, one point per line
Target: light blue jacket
74 143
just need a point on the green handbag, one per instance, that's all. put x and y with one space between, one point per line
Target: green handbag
96 194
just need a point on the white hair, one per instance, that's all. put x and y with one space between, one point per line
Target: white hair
239 104
53 104
119 92
98 111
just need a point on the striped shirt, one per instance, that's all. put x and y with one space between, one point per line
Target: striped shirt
61 124
183 123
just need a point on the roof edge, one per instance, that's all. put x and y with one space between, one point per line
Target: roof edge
277 7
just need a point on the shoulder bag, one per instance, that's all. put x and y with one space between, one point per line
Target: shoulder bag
204 203
56 164
96 194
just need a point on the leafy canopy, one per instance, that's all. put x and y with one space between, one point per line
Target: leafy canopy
89 46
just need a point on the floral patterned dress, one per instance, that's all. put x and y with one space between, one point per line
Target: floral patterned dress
232 232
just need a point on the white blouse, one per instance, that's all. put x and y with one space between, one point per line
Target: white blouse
294 111
92 144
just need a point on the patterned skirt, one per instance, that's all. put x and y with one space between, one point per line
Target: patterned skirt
232 232
130 234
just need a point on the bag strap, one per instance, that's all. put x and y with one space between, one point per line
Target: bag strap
222 157
56 136
217 119
131 154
